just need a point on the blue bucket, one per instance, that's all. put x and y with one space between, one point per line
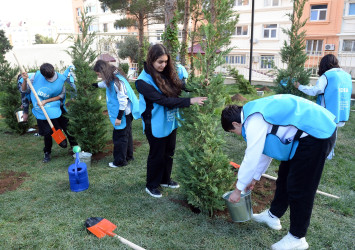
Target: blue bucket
78 175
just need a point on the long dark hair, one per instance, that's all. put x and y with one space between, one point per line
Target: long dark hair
108 72
328 62
167 81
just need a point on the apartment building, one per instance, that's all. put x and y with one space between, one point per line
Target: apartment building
330 29
269 20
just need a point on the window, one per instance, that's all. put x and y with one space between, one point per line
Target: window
240 59
106 47
180 34
78 11
351 9
267 62
90 9
270 30
241 2
314 47
159 35
105 27
318 12
118 28
349 45
235 59
93 28
104 8
271 3
241 30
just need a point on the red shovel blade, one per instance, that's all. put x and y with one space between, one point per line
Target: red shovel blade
102 228
59 137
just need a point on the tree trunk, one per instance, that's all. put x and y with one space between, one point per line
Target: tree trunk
184 33
170 8
141 41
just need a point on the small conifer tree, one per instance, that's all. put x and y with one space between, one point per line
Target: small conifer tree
86 120
293 54
10 97
203 166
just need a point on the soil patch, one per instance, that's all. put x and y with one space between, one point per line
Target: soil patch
265 88
238 97
261 197
108 149
11 180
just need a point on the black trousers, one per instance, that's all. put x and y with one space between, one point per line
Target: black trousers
298 181
46 131
160 158
123 143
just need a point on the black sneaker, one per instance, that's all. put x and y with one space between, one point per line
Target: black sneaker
47 157
171 184
153 192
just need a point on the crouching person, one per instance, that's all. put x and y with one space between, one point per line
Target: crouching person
295 131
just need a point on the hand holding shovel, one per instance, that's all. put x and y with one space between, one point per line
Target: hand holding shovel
57 135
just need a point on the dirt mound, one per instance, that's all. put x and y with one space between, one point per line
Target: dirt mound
265 88
238 97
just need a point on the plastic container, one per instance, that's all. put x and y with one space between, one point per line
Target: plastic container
78 176
241 211
84 157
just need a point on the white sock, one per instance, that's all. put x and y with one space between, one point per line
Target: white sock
294 236
271 215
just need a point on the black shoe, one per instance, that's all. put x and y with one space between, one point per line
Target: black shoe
171 184
47 157
153 192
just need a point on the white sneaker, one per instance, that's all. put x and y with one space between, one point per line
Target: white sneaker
265 217
289 242
111 165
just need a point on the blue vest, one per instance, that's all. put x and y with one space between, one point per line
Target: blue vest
285 110
113 105
182 73
46 90
337 94
163 120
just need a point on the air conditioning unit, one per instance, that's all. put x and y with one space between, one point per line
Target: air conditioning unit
329 47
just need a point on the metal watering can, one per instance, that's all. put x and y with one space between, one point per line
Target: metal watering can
78 174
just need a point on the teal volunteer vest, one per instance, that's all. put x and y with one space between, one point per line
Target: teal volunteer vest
163 119
285 110
337 94
46 90
113 105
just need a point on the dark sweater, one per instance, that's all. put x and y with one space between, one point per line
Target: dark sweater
151 95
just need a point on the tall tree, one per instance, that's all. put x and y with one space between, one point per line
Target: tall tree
170 11
4 45
183 49
10 99
203 166
86 120
138 13
293 54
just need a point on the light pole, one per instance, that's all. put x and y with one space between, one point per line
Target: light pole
251 40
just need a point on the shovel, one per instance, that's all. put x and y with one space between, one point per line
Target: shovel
57 135
101 227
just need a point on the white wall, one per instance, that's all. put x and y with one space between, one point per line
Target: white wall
36 55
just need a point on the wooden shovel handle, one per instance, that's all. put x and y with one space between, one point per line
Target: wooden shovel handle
34 93
128 243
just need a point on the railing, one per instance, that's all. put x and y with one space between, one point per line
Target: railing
263 69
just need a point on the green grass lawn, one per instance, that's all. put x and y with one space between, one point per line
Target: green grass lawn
43 213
